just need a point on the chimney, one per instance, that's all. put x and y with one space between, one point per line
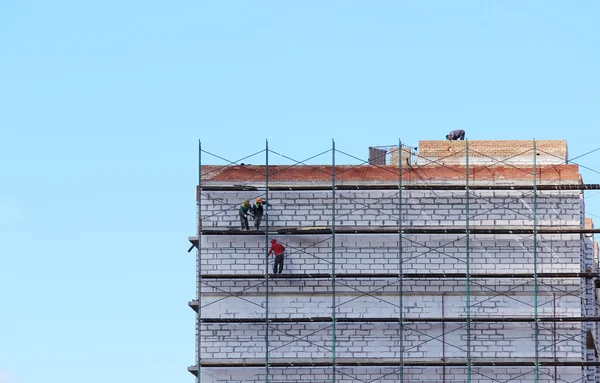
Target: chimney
377 156
404 153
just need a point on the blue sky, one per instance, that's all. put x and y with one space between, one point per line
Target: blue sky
102 104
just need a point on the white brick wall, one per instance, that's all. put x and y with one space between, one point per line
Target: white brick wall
291 341
379 253
379 297
391 375
380 208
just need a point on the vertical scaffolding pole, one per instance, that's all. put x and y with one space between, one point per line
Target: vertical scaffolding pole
266 261
400 266
333 282
535 278
199 264
468 260
554 336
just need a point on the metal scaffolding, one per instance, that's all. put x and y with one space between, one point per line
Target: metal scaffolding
400 272
258 282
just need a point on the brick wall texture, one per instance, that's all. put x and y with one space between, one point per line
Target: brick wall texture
494 152
413 299
428 172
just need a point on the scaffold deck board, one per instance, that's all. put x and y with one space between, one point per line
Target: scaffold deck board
404 276
405 186
393 362
521 230
408 320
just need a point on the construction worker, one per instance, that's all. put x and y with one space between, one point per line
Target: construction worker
278 249
457 134
244 211
257 210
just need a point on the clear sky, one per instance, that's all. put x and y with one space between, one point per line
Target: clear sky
102 104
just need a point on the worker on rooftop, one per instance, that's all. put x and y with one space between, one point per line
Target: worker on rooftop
244 211
457 134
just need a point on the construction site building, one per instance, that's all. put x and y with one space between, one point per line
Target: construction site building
457 261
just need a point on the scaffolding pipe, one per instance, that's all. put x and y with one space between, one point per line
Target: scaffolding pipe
504 319
535 278
267 262
199 266
406 230
443 341
588 275
518 362
554 334
333 281
400 266
468 262
406 187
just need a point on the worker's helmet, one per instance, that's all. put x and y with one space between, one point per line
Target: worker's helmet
273 240
259 200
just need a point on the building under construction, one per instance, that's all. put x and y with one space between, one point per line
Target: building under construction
459 261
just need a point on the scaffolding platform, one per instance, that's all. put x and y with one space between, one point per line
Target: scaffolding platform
395 362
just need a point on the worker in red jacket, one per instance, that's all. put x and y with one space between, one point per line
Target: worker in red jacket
278 249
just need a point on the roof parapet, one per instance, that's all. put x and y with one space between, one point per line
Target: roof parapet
493 152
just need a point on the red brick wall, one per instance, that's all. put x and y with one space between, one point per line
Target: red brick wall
494 148
430 173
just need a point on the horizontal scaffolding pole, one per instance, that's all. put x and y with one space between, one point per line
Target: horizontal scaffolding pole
393 362
394 230
404 275
406 319
404 187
